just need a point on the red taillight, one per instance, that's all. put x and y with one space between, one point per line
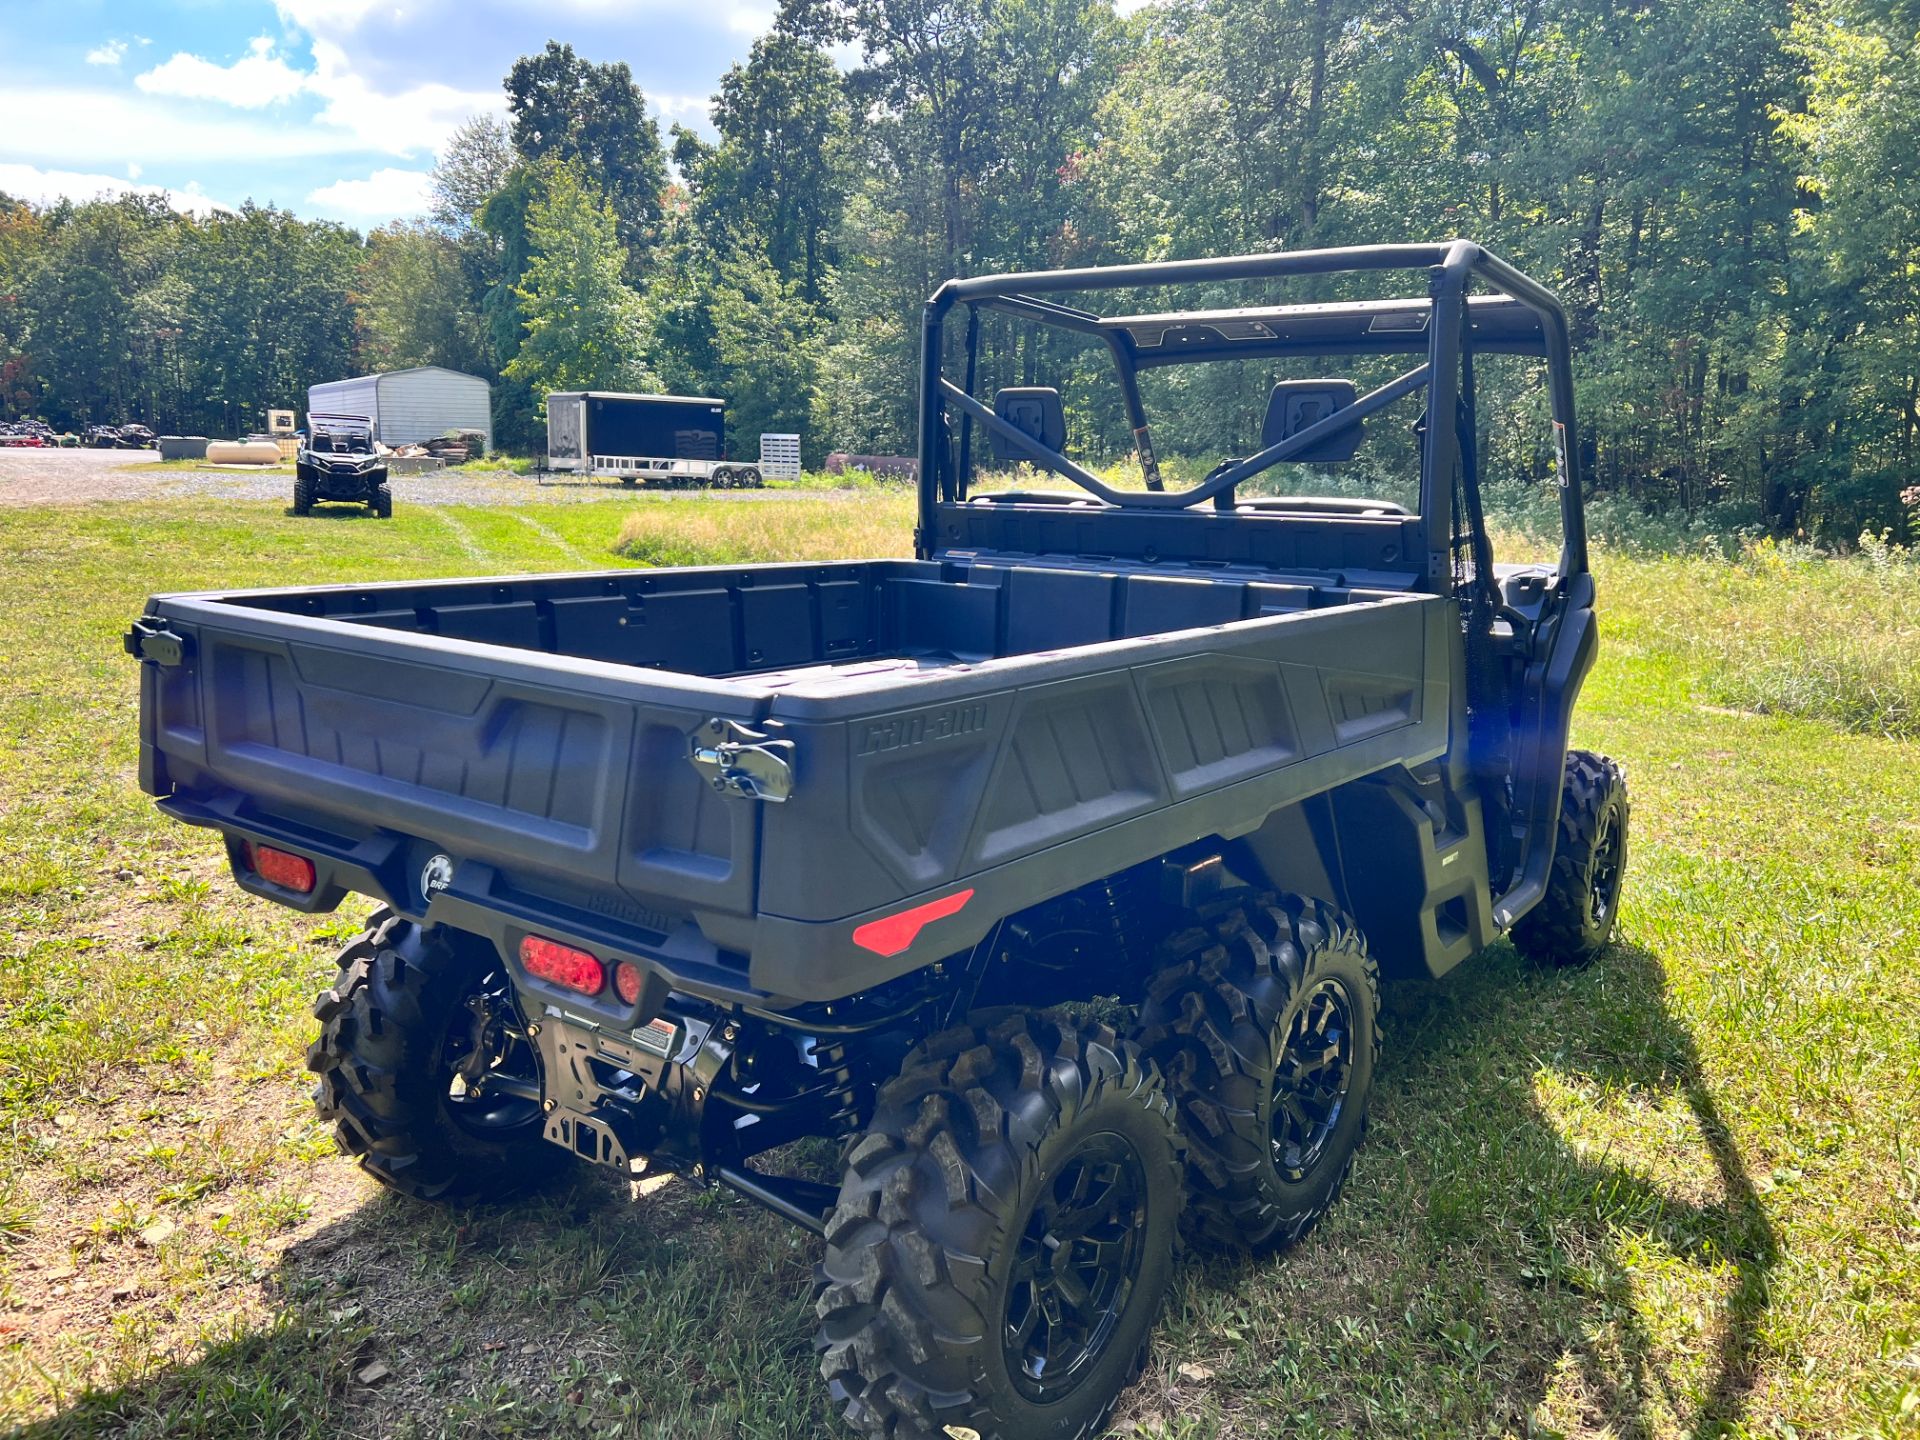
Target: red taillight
562 965
627 981
897 932
278 867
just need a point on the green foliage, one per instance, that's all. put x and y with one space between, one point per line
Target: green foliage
411 302
260 306
777 182
1724 193
583 322
566 108
736 328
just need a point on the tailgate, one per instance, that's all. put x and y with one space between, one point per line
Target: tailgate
567 774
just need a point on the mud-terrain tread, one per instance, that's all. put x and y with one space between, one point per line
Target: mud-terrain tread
1213 1017
1555 931
926 1205
380 1026
304 490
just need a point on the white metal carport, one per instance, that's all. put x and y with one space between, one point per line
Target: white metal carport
408 406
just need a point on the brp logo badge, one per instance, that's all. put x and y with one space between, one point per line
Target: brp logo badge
435 876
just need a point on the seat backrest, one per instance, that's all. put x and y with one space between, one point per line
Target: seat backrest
1034 410
1296 404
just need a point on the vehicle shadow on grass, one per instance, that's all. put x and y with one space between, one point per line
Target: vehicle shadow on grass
576 1310
1549 1232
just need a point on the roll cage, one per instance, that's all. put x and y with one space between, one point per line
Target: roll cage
1515 315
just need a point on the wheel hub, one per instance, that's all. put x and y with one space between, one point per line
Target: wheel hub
1603 882
491 1067
1310 1085
1075 1267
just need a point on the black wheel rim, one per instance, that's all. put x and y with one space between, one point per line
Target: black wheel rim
1603 883
492 1072
1310 1085
1075 1268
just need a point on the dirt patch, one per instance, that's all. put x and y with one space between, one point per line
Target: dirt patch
80 477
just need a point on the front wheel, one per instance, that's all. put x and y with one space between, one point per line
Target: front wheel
1574 921
1264 1014
426 1072
1004 1237
381 505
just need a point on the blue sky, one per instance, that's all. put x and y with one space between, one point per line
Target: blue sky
329 108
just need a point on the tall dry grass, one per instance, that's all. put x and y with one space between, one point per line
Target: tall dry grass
864 525
1786 629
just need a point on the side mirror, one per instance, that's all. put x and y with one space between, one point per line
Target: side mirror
1033 410
1296 404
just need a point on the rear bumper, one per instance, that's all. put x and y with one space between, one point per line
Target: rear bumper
476 899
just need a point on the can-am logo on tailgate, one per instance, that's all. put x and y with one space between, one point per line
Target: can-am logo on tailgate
920 727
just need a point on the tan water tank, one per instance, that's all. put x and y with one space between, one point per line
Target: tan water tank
243 452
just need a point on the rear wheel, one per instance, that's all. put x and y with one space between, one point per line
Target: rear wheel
426 1072
1574 921
1264 1017
1004 1237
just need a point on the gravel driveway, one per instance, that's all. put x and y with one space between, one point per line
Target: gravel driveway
72 477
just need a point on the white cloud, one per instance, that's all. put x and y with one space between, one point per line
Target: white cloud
134 170
108 52
683 107
419 119
44 187
406 122
107 126
750 19
314 16
258 78
383 194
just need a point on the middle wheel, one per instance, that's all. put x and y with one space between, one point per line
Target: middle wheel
1004 1236
1265 1017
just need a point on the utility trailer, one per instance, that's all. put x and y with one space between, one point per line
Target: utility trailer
671 440
677 866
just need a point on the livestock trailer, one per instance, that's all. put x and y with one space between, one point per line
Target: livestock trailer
675 439
409 406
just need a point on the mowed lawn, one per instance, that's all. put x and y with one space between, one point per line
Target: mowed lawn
1676 1194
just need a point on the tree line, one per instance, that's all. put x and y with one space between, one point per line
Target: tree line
1726 194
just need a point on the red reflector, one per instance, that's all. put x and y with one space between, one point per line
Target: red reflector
562 965
277 867
895 933
627 981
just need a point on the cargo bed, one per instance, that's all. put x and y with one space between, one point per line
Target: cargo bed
942 723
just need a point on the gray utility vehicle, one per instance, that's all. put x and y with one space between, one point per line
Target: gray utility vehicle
678 866
339 461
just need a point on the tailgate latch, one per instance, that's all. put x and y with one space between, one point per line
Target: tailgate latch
151 640
738 761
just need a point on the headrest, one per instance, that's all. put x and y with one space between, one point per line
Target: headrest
1033 410
1296 404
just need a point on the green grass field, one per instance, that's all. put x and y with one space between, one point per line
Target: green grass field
1676 1194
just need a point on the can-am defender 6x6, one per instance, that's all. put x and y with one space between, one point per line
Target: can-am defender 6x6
339 461
677 866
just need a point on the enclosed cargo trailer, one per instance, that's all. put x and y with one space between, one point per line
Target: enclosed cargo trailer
674 439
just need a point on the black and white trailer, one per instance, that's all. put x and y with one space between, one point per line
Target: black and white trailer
672 439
